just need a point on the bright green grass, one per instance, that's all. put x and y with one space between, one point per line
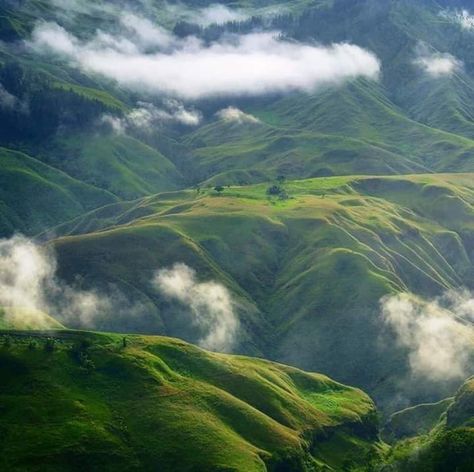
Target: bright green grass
159 403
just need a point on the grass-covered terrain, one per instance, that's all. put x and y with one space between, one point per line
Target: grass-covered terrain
354 129
448 445
34 196
26 318
310 270
406 122
122 165
326 201
86 401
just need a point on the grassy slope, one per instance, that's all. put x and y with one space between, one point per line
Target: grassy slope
448 446
314 267
34 196
120 164
352 129
158 403
415 421
26 318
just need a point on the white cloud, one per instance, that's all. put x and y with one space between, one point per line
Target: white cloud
252 64
438 64
29 288
234 115
148 34
147 117
210 304
117 125
218 14
439 339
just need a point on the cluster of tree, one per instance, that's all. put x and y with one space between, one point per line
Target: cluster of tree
49 344
278 189
213 32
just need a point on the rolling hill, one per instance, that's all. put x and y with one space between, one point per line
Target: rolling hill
311 269
307 207
35 196
108 402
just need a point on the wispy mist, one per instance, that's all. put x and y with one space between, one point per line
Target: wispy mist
147 117
462 17
234 115
438 334
210 303
436 64
218 14
29 288
10 102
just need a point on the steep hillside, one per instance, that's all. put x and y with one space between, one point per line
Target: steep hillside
109 402
35 196
448 446
120 164
313 266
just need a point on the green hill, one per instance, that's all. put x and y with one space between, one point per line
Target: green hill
121 165
35 196
19 318
415 421
104 402
311 269
448 446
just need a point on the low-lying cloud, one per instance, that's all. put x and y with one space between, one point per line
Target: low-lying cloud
234 115
147 117
10 102
438 334
29 288
210 304
438 64
147 34
252 64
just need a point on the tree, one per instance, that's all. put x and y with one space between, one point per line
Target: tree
277 191
49 345
274 190
219 189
